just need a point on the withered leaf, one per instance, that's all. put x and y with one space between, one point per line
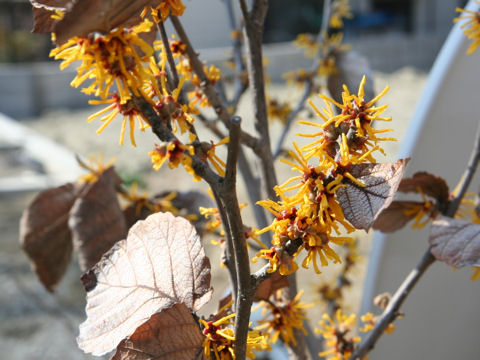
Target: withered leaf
394 217
96 220
42 14
87 16
45 236
362 205
268 286
430 184
161 263
455 241
169 334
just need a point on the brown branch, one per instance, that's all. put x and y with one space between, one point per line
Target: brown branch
251 182
235 227
168 51
240 85
253 38
207 87
309 82
291 117
467 176
392 310
160 129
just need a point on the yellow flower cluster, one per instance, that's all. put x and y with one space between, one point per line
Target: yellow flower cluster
312 218
340 10
283 319
220 338
110 59
166 8
337 334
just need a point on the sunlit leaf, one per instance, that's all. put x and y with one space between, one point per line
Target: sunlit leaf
87 16
362 205
96 220
161 263
429 184
455 242
169 334
395 216
43 22
45 236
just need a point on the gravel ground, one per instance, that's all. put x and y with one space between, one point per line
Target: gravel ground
38 325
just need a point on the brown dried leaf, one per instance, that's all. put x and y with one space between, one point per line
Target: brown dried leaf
42 14
362 205
87 16
161 263
268 286
394 217
169 334
455 242
431 185
45 236
96 220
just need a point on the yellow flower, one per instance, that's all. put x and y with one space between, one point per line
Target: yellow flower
167 7
283 319
142 201
297 77
340 10
219 339
278 111
127 109
370 320
309 42
355 113
206 152
110 59
95 168
336 332
471 26
476 273
278 260
176 153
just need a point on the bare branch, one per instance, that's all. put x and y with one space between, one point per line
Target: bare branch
253 38
467 177
207 86
392 310
168 51
233 149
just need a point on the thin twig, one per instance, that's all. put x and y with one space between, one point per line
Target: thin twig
467 177
207 87
242 261
253 38
308 83
233 149
168 51
252 182
229 257
291 117
159 128
239 85
392 310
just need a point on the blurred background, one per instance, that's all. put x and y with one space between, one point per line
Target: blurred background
43 125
